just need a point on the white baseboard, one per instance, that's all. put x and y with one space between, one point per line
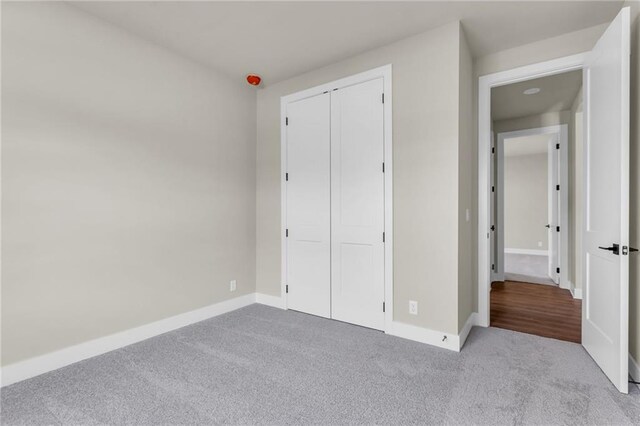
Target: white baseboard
431 337
466 329
634 369
425 335
32 367
576 293
527 251
265 299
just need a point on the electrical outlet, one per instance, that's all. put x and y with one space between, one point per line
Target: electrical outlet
413 307
232 285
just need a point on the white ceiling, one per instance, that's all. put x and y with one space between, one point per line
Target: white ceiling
526 145
557 93
282 39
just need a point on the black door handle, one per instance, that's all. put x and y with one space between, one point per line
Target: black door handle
631 249
615 248
547 226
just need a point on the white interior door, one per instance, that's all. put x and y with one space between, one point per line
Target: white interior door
357 204
605 308
553 164
308 205
496 260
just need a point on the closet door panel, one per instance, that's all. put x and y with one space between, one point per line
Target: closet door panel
308 206
357 204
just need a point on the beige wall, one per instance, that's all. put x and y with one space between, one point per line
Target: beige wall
531 122
526 201
634 214
466 274
425 162
128 181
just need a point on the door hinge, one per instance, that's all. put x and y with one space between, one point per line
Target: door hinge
286 121
286 177
558 270
557 229
493 267
383 237
557 187
493 189
286 288
383 98
382 306
493 150
493 227
383 167
286 233
557 146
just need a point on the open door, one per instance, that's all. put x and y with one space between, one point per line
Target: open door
605 308
553 226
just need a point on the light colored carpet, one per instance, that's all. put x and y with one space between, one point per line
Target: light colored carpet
261 365
528 268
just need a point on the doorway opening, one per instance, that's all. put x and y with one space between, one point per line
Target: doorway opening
533 208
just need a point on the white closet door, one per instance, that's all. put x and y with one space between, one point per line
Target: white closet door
308 206
357 204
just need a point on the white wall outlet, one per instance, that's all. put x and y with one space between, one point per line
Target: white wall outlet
413 307
539 243
232 285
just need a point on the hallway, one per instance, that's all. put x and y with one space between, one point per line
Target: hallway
542 310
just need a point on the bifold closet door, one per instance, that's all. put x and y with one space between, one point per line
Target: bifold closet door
357 204
309 205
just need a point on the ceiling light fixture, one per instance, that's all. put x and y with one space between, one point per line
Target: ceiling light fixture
532 91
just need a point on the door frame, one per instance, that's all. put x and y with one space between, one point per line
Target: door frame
384 72
485 84
563 206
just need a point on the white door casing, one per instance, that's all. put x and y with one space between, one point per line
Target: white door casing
605 304
357 204
558 201
308 205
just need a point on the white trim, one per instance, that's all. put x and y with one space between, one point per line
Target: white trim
485 84
386 74
563 253
527 251
268 300
634 369
576 292
425 335
432 337
464 333
32 367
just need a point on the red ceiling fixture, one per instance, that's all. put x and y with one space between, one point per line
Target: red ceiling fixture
254 79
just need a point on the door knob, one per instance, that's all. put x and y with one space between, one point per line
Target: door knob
547 226
615 248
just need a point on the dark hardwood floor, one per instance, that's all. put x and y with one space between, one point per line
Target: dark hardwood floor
542 310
